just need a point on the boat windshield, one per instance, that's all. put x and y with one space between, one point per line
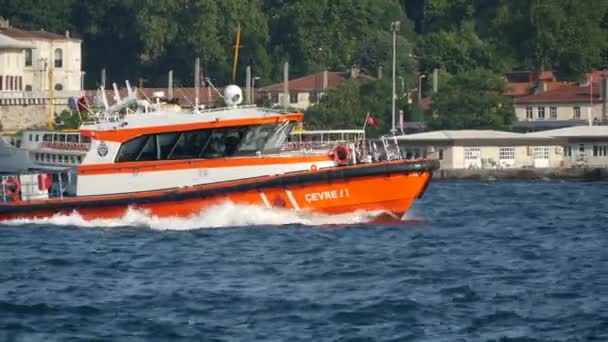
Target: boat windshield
207 143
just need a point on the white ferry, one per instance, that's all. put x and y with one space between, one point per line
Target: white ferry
42 150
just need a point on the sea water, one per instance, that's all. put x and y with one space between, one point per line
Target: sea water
472 261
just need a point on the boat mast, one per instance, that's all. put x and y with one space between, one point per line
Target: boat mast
237 46
49 124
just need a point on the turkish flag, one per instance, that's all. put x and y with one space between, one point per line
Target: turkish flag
371 121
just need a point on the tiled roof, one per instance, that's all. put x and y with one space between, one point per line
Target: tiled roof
310 82
576 131
24 34
8 42
466 134
572 93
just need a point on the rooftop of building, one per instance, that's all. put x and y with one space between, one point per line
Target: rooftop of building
20 34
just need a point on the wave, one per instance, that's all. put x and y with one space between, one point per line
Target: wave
222 215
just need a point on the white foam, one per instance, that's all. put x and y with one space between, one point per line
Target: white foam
222 215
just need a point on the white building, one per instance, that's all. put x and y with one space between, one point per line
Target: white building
308 90
483 149
582 145
572 104
35 66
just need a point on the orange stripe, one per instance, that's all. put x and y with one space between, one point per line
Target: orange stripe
124 134
172 165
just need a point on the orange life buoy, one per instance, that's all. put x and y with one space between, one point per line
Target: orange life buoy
341 155
12 188
313 168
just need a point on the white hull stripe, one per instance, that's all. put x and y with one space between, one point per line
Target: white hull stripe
265 199
292 200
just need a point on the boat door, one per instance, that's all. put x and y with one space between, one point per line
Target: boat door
472 158
541 156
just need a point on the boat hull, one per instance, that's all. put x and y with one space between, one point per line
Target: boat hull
387 188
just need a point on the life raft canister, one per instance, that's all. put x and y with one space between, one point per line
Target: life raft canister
341 155
12 188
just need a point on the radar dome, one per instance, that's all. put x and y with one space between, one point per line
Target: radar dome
233 95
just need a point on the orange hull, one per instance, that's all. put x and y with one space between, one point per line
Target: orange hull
389 187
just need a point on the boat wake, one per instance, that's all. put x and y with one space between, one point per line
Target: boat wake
222 215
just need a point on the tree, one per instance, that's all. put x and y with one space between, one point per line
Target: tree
543 34
347 105
472 100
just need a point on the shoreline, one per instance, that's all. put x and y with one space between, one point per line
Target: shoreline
581 174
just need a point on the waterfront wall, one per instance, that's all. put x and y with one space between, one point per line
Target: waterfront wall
527 173
17 117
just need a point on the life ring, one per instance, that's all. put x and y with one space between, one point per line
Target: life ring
12 188
313 168
341 155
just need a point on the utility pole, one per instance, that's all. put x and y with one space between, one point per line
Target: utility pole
394 29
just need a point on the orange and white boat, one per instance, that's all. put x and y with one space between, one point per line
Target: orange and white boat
175 164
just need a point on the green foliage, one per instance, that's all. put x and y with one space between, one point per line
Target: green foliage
473 100
68 119
347 106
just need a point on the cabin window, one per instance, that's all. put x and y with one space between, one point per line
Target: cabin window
149 151
60 138
190 144
130 150
30 137
166 141
85 140
47 137
72 138
210 143
440 154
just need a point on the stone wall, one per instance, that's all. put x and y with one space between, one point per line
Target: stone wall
16 117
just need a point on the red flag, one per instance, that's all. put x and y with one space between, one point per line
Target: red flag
371 121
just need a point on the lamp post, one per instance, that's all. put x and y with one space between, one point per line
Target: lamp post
253 89
394 29
420 87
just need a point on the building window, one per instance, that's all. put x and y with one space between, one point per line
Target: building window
567 151
553 113
20 83
313 97
541 113
529 113
1 83
577 113
28 87
506 153
581 149
293 97
28 57
472 153
58 87
274 98
440 153
58 58
541 152
600 150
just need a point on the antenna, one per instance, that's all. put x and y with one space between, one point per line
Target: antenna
116 93
129 90
208 80
237 46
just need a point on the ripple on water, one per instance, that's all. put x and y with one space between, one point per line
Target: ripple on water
493 261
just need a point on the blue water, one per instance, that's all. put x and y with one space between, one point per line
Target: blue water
498 261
